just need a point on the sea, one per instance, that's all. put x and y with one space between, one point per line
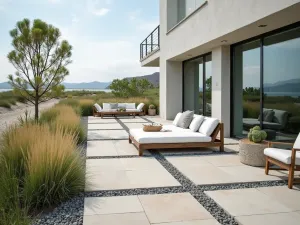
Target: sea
105 90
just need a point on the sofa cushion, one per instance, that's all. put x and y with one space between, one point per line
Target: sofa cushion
122 105
98 107
282 155
280 117
140 107
196 123
130 106
175 121
208 126
175 128
132 110
106 106
185 119
268 115
167 137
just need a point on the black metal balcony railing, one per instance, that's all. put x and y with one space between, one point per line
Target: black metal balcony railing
150 44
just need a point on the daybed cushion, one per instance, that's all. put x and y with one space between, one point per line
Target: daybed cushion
130 106
140 107
297 142
208 126
167 137
185 119
175 121
196 122
282 155
98 107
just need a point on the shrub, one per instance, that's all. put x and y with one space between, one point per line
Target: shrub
40 167
5 104
151 106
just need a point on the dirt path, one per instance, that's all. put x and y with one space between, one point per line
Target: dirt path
8 117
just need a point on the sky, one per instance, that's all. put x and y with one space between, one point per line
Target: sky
105 34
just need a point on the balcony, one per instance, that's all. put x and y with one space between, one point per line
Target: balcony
149 49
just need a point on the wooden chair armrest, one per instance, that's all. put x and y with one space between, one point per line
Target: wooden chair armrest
271 143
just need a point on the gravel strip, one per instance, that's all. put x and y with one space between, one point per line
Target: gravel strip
119 156
136 191
123 125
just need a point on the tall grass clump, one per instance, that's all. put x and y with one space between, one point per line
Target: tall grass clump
40 167
66 117
86 106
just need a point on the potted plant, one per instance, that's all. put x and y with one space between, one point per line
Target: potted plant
252 149
152 110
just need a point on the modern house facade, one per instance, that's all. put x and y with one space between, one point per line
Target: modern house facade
237 60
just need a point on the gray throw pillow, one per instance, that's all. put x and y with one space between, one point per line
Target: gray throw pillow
185 119
267 115
113 105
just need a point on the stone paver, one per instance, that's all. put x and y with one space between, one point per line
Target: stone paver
101 148
117 219
109 174
220 169
291 218
112 205
134 125
106 134
111 148
284 195
133 120
242 202
166 208
93 120
105 126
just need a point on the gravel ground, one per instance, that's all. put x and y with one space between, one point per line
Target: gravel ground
9 117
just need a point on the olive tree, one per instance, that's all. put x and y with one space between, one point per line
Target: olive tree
40 59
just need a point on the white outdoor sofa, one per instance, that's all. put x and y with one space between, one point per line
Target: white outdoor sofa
209 134
113 109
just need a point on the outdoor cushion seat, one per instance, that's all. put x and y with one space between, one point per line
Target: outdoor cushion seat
285 159
175 128
168 137
132 110
282 155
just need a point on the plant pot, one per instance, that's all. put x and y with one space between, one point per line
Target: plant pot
151 112
251 153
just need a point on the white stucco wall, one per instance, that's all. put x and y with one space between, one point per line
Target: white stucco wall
202 32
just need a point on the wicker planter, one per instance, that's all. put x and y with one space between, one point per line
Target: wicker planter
151 112
251 153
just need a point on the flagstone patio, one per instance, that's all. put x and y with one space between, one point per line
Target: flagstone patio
177 187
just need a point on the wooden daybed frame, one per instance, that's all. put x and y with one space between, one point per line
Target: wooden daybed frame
116 113
215 142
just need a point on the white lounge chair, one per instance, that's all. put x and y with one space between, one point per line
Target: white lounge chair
285 159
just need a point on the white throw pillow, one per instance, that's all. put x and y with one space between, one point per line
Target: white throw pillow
140 106
196 123
208 126
98 107
130 105
175 121
106 106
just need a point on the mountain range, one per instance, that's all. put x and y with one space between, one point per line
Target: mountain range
153 78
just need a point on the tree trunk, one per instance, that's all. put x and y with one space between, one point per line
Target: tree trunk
36 107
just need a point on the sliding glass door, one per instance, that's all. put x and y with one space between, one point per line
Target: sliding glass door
266 85
197 85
